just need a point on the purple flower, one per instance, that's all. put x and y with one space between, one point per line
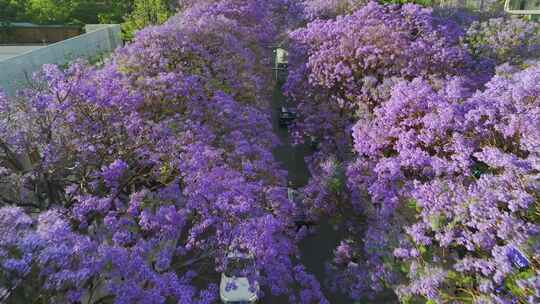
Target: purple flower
112 173
517 258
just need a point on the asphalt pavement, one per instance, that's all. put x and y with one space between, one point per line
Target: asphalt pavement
317 248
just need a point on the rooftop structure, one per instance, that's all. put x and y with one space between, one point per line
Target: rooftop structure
522 7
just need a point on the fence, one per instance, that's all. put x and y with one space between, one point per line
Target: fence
99 39
25 34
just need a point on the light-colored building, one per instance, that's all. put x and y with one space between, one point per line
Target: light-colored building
522 7
19 62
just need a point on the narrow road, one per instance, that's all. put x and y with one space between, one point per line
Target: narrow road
317 248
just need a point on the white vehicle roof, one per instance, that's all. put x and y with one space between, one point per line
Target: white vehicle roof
242 292
282 56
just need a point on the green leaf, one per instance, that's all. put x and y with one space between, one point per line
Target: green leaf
436 222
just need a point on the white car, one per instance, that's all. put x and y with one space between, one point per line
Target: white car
234 287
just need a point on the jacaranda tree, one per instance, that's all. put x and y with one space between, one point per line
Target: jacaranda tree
434 184
130 183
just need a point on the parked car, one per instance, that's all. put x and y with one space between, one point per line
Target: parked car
235 287
300 218
286 116
281 64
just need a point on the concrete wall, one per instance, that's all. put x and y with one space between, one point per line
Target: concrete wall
15 71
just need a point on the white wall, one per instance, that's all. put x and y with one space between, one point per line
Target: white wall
99 39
